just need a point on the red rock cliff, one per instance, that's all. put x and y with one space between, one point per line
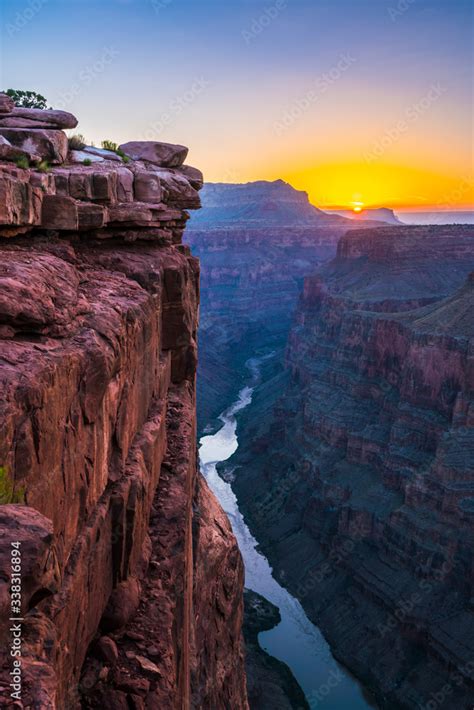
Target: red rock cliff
125 554
362 479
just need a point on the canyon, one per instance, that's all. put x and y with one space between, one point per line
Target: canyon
338 350
356 465
131 579
256 243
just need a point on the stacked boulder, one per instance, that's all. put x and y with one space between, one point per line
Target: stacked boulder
143 185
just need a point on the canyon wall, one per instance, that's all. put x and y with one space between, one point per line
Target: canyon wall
126 557
256 243
355 470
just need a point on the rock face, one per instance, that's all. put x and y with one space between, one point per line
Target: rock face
47 144
256 243
117 531
165 154
358 479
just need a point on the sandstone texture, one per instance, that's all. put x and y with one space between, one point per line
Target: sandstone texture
118 533
359 460
164 154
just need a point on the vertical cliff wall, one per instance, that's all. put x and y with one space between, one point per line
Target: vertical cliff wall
361 478
119 537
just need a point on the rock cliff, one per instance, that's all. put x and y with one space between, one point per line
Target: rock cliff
356 470
256 243
126 557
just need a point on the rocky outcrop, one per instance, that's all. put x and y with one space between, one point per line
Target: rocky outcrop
116 530
358 479
270 683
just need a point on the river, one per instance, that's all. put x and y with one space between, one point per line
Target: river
296 640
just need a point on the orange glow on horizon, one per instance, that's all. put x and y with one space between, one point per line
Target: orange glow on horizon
382 185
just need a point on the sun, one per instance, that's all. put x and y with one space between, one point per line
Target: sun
357 207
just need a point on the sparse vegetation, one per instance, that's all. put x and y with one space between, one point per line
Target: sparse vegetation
109 145
87 161
8 494
22 162
77 142
43 166
27 99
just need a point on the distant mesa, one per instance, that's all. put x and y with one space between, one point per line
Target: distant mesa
378 214
263 202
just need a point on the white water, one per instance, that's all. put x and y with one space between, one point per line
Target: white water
296 641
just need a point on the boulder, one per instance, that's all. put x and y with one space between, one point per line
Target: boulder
178 189
38 118
59 212
80 185
20 202
6 103
124 185
78 156
149 667
11 153
122 604
50 145
167 155
102 153
135 685
104 186
106 650
195 176
90 216
147 186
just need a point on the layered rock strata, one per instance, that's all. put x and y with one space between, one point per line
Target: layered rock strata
256 243
98 320
361 467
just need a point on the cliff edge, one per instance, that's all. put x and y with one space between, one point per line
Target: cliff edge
112 545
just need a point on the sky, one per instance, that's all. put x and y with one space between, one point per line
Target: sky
365 101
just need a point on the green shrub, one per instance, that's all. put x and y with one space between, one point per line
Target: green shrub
87 161
122 155
27 99
76 142
22 162
43 166
109 145
8 494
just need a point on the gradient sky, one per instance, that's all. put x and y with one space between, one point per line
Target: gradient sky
351 100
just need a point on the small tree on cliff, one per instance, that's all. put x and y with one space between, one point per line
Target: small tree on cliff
27 99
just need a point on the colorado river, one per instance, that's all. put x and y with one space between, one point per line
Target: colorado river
296 641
